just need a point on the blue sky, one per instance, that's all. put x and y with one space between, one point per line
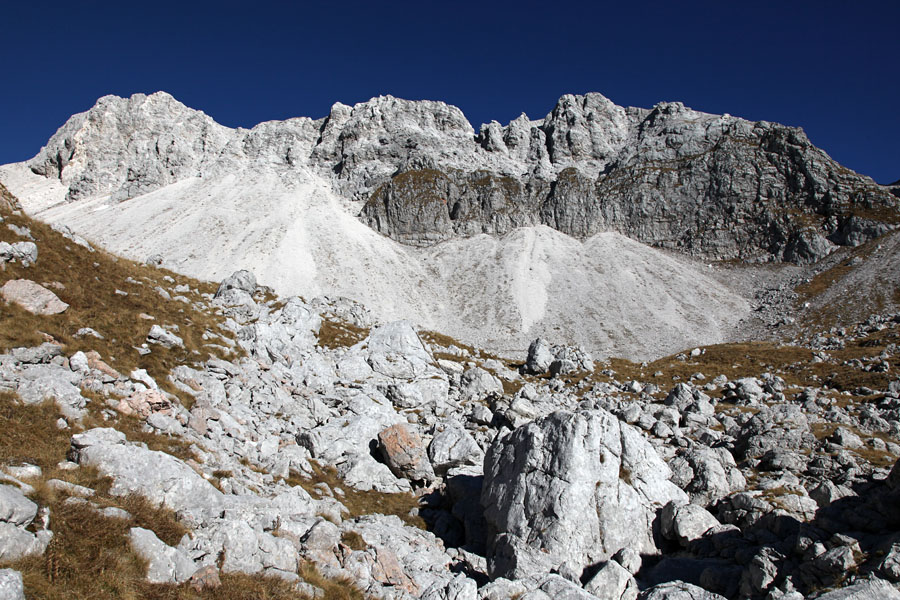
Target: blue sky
829 67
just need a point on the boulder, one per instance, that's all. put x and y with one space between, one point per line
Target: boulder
477 384
160 477
15 508
459 588
678 590
612 582
571 489
685 523
17 542
395 350
33 297
404 452
239 280
539 358
707 474
453 447
164 563
11 586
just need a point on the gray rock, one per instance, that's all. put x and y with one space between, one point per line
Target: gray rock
459 588
889 568
845 438
827 492
612 582
79 362
782 426
15 508
395 350
453 447
678 590
38 354
158 476
686 523
16 542
573 489
164 563
41 383
241 547
559 588
25 253
502 589
239 280
539 357
164 338
629 558
477 384
875 589
32 297
707 474
11 586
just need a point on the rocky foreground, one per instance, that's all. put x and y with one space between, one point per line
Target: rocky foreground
213 439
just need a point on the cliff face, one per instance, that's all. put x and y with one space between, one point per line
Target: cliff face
713 186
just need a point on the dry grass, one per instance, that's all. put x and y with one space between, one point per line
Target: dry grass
433 338
30 434
749 359
90 557
340 334
353 540
357 502
89 282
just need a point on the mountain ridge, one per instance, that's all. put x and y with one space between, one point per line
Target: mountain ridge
402 206
711 186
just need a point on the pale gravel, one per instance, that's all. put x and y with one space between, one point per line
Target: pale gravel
609 294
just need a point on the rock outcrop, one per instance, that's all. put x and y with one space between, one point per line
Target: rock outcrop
570 490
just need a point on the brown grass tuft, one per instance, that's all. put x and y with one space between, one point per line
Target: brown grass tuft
353 540
340 334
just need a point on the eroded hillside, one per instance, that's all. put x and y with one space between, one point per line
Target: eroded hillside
164 437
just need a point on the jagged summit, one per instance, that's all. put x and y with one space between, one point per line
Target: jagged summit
507 233
709 185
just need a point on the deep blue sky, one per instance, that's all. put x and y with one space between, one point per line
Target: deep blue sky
830 67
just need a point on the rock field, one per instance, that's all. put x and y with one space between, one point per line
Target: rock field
307 442
654 428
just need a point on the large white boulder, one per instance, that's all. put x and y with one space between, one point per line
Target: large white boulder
568 491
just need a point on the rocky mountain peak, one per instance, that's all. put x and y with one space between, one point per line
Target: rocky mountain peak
715 186
156 139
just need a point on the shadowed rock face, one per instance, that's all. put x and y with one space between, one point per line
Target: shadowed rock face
713 186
